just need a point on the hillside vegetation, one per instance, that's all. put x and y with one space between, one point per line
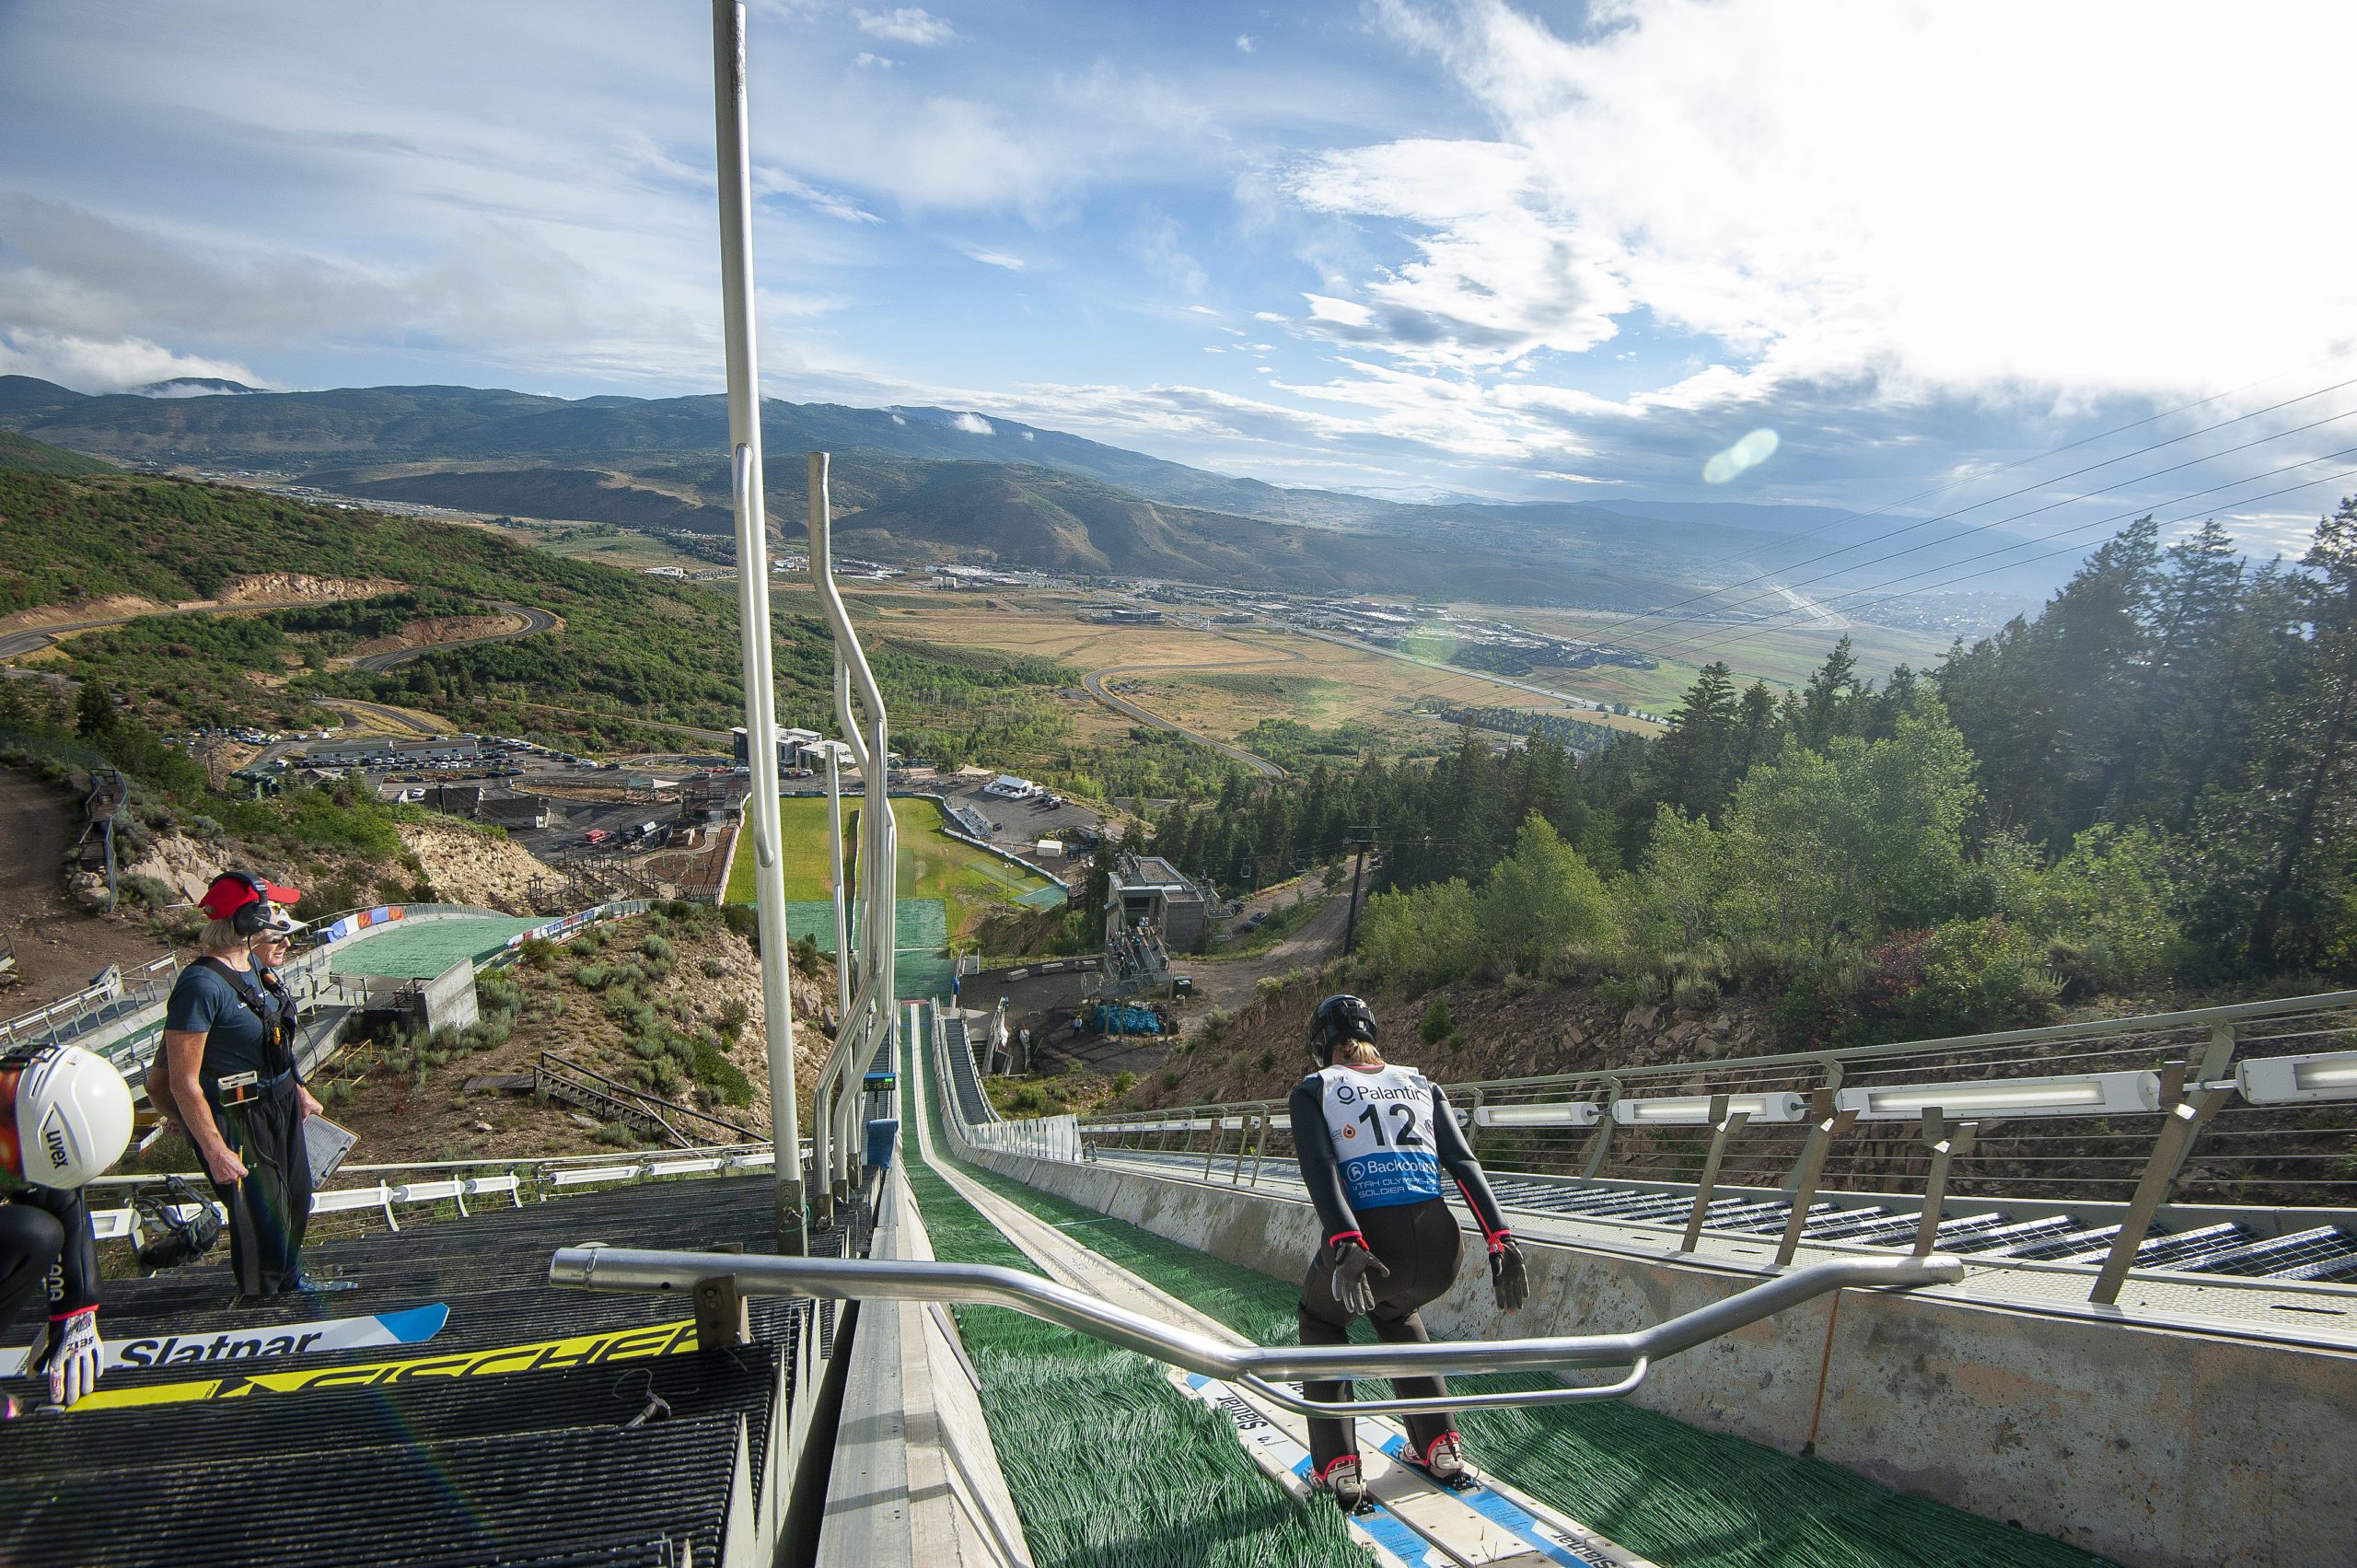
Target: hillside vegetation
635 653
2149 787
38 456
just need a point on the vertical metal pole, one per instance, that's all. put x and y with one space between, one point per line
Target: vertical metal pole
733 142
835 881
1254 1130
1351 917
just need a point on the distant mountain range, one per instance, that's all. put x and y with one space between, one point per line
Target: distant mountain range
930 483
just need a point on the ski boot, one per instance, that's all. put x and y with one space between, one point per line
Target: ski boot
1445 1462
1342 1478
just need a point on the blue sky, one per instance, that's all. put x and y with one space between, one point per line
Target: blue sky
1407 247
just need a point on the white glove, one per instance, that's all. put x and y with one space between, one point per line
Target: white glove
70 1355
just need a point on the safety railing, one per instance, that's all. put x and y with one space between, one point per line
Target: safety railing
1267 1371
2245 1106
93 1007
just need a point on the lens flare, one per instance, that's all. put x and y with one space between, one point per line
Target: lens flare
1749 453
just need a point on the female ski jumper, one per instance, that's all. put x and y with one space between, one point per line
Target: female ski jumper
1374 1139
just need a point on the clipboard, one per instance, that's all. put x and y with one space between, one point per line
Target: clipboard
325 1144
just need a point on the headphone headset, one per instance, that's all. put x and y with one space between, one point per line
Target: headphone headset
247 920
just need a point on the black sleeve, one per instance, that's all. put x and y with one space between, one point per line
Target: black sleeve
1314 1152
1457 1158
72 1281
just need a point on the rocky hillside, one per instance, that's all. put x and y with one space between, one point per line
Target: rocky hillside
1502 1030
671 1002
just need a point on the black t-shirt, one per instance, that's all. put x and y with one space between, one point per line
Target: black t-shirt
204 1002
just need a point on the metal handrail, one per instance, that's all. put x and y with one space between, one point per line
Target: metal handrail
1847 1056
1264 1370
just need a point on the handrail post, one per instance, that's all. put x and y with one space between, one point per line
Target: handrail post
1825 1122
1946 1145
2184 1125
1723 1125
733 142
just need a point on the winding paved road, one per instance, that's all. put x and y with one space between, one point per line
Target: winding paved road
535 622
1094 683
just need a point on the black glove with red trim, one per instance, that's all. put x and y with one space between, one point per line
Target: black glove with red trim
1352 1265
1508 1278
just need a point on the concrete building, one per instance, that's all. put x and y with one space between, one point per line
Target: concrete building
1148 888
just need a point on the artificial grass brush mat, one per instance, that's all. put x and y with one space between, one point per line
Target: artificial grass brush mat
1107 1463
1663 1489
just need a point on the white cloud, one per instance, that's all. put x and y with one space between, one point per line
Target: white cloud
1266 315
993 258
1243 43
1028 436
89 364
868 61
1906 193
768 182
906 24
972 424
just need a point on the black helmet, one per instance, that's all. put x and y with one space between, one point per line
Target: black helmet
1339 1019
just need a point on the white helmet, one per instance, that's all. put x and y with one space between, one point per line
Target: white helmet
73 1117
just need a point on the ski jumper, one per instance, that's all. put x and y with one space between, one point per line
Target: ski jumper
46 1244
1375 1144
249 1082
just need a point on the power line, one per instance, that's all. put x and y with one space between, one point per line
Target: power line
1993 500
1641 646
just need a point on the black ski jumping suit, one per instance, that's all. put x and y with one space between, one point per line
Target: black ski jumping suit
1373 1142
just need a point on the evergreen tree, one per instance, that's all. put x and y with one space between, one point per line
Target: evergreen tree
95 718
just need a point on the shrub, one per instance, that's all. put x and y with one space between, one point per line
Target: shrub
745 921
147 892
714 968
1437 1025
613 1134
1693 993
589 977
656 947
538 952
806 953
1216 1024
733 1016
1123 1082
1267 1061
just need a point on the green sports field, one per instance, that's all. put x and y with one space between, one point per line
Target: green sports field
932 864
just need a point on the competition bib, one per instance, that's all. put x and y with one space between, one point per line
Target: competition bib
1381 1123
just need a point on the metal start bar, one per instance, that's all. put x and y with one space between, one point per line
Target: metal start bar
1265 1370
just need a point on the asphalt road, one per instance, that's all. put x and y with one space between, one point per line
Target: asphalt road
1566 698
535 622
1094 683
392 719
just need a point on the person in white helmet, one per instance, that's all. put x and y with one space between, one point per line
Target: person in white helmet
64 1118
1373 1140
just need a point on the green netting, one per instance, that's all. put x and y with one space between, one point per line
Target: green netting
920 940
1107 1463
423 949
1660 1487
1047 898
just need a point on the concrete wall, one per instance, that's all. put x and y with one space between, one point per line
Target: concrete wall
449 997
2152 1447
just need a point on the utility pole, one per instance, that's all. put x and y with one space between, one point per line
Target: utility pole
1364 838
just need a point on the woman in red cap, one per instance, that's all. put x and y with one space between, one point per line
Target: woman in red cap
230 1048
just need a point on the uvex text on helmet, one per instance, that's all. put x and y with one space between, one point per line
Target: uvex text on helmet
73 1117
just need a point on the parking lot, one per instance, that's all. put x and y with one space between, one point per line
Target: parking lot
1015 825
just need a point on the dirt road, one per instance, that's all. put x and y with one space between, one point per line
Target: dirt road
59 945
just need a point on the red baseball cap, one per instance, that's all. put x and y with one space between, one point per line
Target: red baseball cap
233 891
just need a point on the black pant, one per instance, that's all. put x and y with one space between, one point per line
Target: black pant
30 1242
271 1208
1421 1245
